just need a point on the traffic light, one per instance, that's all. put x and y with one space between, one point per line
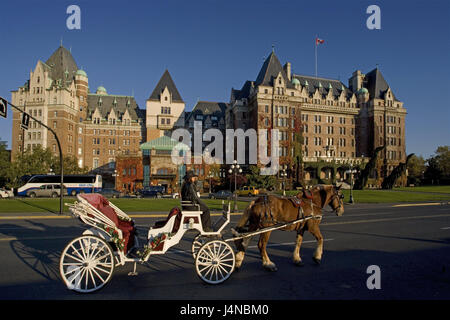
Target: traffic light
3 107
25 121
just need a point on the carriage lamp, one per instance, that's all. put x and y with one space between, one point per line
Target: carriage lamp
235 168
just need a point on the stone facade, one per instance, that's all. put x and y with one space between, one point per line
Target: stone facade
93 128
165 108
129 173
339 125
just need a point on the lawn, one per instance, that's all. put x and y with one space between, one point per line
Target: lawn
419 194
433 189
126 205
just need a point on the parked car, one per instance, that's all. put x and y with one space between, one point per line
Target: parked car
152 191
48 190
174 195
222 194
110 193
4 193
248 191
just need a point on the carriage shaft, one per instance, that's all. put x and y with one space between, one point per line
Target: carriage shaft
267 229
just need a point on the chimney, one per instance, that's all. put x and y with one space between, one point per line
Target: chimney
287 69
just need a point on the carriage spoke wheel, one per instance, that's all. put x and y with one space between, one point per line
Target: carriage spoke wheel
198 242
215 262
86 264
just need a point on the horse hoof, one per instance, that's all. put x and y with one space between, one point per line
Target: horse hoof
317 261
270 267
299 263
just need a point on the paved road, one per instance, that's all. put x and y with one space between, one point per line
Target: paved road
410 244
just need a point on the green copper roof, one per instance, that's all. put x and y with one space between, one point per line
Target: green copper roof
162 143
101 89
295 81
81 73
362 90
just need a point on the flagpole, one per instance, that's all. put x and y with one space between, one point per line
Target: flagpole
315 51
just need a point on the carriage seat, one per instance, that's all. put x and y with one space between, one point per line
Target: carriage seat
174 212
187 205
102 204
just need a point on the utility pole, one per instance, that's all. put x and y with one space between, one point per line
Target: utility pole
61 197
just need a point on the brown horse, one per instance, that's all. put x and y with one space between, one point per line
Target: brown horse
271 210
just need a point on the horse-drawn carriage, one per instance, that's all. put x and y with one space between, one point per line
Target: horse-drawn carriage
87 262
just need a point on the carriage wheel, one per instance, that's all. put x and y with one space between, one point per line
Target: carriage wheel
198 242
86 264
215 262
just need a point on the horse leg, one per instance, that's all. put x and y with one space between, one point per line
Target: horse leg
241 246
296 256
262 243
315 231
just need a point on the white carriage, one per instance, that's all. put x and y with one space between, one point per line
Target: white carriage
87 262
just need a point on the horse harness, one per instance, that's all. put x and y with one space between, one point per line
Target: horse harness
297 202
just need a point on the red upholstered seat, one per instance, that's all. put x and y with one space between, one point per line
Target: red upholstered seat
175 211
102 204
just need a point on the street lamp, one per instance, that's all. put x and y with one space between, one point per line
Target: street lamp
284 175
235 168
210 176
351 183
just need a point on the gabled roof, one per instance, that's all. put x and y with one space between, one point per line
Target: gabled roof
166 81
270 70
244 92
113 102
208 108
323 84
376 84
60 64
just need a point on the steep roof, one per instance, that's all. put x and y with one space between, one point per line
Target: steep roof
323 84
244 92
61 65
208 108
270 70
166 81
109 102
376 84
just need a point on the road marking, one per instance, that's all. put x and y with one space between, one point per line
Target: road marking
419 204
287 243
385 219
33 217
446 228
188 252
69 217
36 238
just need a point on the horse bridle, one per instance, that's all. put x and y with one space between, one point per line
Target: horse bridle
340 198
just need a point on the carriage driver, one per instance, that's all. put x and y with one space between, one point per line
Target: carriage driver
189 193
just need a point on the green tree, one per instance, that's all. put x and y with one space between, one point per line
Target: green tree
39 161
438 168
416 169
255 179
5 165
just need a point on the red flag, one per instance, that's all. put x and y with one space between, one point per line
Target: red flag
319 41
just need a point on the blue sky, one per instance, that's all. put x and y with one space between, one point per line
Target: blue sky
211 46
